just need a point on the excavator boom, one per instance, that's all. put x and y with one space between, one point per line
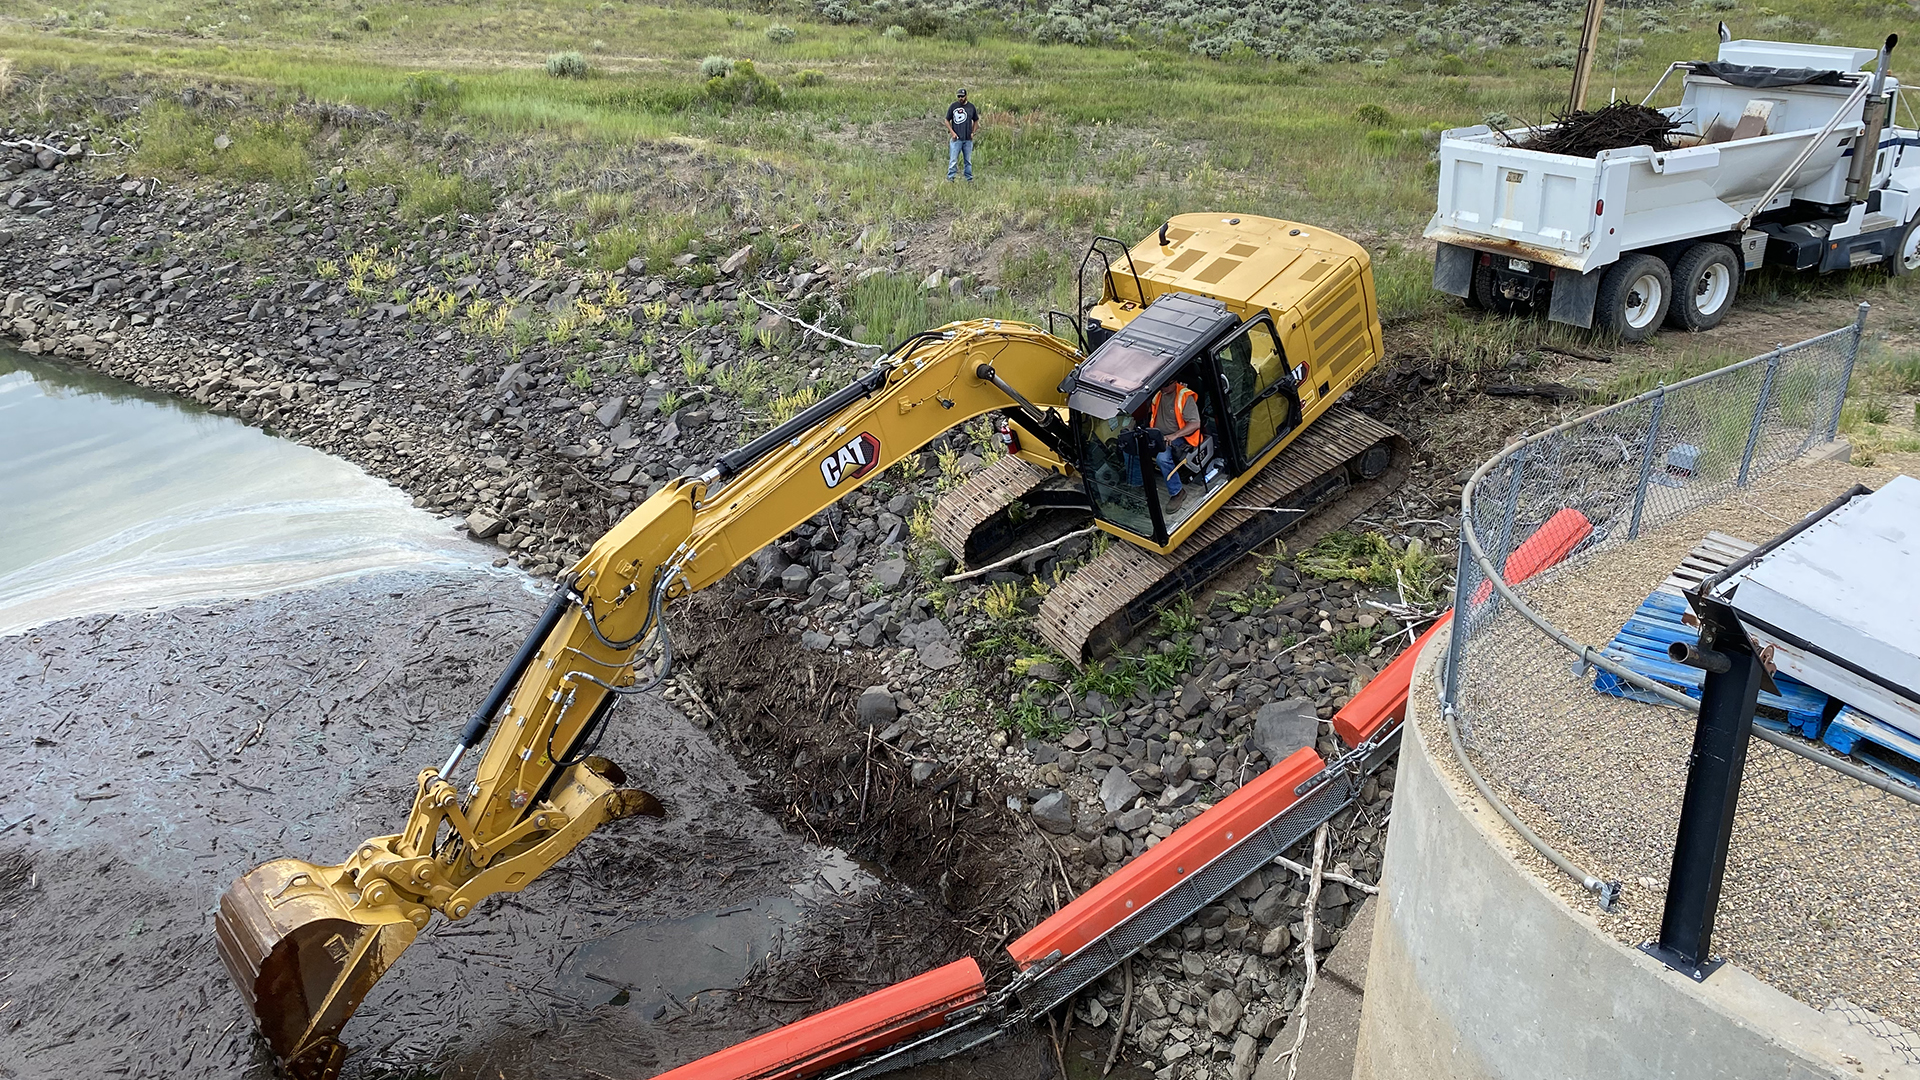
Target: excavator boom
305 942
1265 323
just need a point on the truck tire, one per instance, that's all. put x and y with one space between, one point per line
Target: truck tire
1906 254
1705 278
1633 296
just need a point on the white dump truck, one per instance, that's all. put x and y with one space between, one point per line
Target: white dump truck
1765 169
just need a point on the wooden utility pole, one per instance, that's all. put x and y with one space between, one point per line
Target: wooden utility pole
1583 62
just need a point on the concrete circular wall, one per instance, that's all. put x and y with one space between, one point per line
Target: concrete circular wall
1478 971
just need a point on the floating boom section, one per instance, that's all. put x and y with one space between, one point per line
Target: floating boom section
863 1026
1383 701
1553 541
1163 886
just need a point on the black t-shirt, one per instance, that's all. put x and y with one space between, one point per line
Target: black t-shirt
962 115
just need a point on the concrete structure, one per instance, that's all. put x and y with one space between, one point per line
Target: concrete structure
1479 971
1333 1012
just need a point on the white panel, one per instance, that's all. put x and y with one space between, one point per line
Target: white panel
1847 584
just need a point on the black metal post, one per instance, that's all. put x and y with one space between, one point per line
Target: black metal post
1714 770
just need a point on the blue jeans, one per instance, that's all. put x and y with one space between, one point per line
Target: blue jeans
1165 460
959 150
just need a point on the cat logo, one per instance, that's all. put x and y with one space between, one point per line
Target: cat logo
852 461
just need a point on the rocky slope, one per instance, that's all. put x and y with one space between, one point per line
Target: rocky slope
473 362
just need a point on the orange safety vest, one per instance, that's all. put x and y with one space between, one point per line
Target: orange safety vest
1183 397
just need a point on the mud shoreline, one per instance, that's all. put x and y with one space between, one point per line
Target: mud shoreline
168 751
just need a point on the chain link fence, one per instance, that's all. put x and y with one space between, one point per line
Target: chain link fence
1580 524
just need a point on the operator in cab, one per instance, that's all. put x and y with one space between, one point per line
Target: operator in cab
1176 415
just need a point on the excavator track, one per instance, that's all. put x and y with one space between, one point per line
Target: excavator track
977 520
1317 480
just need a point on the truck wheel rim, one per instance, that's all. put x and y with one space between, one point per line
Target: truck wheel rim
1711 292
1910 251
1643 301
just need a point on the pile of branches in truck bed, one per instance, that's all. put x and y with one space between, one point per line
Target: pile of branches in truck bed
1611 127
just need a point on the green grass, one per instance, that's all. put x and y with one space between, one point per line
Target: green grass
1368 559
1677 365
829 128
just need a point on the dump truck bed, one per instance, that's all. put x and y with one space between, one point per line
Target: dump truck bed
1580 213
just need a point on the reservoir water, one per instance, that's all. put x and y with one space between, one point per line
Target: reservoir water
115 499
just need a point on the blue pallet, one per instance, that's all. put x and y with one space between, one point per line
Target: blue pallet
1641 647
1888 748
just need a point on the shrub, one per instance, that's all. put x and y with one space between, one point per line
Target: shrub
428 192
430 91
1374 116
809 77
894 33
1020 64
922 21
744 86
780 34
716 67
567 65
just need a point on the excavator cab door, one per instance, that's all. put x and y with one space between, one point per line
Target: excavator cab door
1260 398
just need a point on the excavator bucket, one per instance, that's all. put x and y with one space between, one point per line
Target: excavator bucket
302 960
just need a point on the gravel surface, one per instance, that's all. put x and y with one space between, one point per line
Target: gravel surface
1819 898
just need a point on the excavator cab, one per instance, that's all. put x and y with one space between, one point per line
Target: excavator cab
1183 354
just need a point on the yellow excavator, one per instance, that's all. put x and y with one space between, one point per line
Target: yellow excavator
1190 412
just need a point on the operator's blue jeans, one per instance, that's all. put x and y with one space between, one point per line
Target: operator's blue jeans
1165 460
959 150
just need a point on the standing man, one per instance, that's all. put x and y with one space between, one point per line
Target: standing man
962 118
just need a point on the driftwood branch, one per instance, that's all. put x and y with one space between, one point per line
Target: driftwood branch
1313 969
1126 1011
1017 556
1307 871
811 328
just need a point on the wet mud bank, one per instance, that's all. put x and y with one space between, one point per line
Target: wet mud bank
163 753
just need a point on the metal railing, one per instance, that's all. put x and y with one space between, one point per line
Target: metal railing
1592 781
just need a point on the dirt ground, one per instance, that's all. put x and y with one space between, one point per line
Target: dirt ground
162 754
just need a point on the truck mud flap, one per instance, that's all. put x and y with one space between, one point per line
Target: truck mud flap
1572 297
1453 269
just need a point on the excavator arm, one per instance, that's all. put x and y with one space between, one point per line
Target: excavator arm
305 942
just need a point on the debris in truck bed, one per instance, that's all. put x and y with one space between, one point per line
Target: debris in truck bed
1613 126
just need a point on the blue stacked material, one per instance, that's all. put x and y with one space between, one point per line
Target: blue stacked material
1888 748
1641 646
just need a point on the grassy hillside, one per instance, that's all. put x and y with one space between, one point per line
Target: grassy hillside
1321 112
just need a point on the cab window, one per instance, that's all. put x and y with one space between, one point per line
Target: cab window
1262 404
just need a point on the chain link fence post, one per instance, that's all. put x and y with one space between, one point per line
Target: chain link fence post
1759 412
1457 630
1846 372
1646 461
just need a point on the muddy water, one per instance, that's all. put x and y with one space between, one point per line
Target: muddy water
117 499
159 753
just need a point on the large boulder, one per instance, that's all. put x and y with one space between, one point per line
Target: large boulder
877 707
1282 727
1054 813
